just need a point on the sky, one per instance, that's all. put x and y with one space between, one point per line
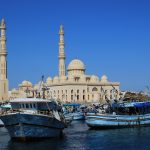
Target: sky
111 37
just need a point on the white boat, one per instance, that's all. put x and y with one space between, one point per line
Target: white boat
119 121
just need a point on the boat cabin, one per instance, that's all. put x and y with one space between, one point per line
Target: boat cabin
33 104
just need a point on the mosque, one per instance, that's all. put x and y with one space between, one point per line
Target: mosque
71 84
76 86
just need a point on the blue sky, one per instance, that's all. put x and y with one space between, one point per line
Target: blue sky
111 37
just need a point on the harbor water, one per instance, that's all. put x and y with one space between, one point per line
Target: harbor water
78 136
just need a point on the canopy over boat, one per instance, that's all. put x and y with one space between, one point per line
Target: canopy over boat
132 104
72 105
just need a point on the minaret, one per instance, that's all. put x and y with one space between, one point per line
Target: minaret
3 63
62 67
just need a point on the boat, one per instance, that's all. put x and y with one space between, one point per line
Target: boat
135 114
68 119
74 110
3 108
32 118
78 116
1 123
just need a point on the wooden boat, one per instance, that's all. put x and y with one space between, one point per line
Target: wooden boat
116 120
74 110
32 118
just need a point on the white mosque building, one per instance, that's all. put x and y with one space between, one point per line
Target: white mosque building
72 84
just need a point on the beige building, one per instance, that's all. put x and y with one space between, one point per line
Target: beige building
3 63
76 86
71 84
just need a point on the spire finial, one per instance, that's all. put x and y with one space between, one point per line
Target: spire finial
61 31
3 25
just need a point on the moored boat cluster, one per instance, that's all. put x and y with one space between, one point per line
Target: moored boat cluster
29 118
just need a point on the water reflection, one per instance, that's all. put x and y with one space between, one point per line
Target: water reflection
78 136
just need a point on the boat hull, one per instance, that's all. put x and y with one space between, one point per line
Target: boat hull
117 121
1 123
29 126
78 116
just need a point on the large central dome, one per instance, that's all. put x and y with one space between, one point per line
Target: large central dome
76 67
76 64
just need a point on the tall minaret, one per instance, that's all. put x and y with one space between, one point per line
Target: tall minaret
3 63
62 67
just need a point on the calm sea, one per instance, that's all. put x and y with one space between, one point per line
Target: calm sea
79 137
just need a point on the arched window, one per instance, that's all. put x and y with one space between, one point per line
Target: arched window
83 94
71 91
94 89
72 95
78 95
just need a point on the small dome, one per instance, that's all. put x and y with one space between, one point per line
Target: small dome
49 80
26 83
104 78
14 91
36 87
76 65
56 79
94 79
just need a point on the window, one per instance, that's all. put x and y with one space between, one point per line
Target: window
34 105
30 105
83 97
94 89
71 97
27 105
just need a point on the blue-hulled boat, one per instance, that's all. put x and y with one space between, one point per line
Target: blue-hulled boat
3 108
32 118
74 110
135 114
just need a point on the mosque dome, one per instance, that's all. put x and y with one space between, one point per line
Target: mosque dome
104 78
26 84
76 64
14 91
56 79
94 79
36 87
76 68
49 80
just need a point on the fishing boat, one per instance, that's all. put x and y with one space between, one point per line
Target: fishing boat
135 114
1 123
3 108
74 111
32 118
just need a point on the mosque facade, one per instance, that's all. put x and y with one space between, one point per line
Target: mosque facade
72 84
76 86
